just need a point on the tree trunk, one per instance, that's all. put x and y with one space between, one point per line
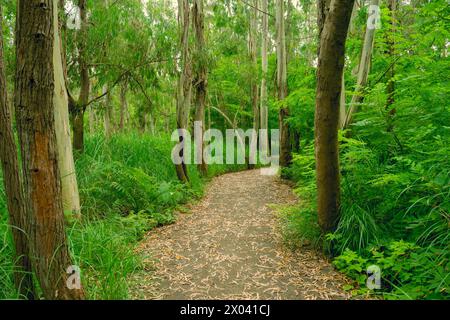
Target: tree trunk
78 130
329 85
35 84
123 105
108 112
352 28
392 6
285 141
13 188
91 119
184 90
201 80
323 9
264 109
342 103
363 70
323 6
71 197
83 99
253 55
253 52
289 32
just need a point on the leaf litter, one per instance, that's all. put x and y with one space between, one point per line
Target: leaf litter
230 247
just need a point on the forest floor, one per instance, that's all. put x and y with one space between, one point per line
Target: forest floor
229 246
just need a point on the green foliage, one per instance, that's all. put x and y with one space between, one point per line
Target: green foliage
104 251
301 99
395 168
407 270
300 227
129 173
7 288
128 186
299 224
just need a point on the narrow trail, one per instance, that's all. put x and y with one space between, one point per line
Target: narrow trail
230 247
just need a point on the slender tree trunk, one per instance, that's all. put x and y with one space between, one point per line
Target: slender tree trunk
184 90
71 198
253 49
83 99
153 123
108 112
352 27
78 130
123 105
91 120
264 109
13 187
363 70
145 125
342 104
289 32
392 6
285 141
329 85
201 79
108 116
37 135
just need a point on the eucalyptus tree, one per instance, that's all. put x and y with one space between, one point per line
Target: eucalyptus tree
69 184
329 84
93 58
390 89
253 55
231 71
264 109
78 107
18 216
365 61
184 87
200 78
37 29
282 88
124 112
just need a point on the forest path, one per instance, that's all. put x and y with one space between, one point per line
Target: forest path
230 247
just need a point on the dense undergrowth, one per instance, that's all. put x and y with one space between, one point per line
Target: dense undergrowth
128 186
395 174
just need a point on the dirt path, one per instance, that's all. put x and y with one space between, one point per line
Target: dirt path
229 248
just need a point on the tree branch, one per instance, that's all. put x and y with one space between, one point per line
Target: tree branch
256 8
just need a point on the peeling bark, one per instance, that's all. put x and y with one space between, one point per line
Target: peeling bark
70 194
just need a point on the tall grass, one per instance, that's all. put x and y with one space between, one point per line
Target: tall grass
128 185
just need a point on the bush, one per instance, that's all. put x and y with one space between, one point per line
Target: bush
395 170
407 270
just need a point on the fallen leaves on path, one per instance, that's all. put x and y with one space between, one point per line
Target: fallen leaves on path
230 247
